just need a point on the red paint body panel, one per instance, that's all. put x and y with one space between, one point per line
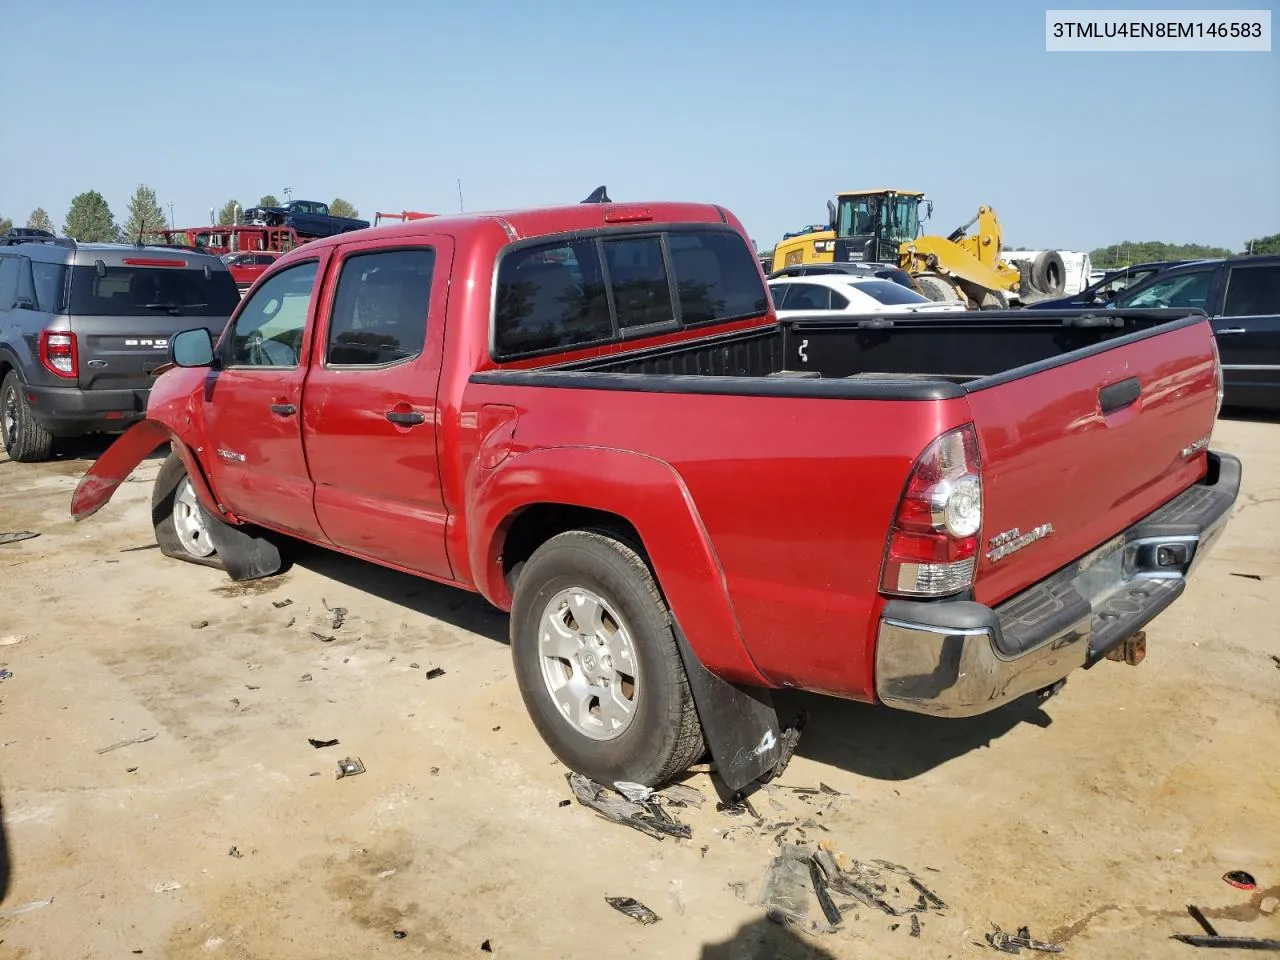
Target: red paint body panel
765 517
1050 455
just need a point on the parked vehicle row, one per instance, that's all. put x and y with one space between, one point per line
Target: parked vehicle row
583 413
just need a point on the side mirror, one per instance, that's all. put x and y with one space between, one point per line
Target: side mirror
191 348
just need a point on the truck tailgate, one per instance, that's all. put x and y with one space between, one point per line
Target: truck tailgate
119 353
1073 452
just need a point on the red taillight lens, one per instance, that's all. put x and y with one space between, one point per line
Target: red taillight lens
933 545
58 353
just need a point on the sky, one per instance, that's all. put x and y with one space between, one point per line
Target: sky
763 110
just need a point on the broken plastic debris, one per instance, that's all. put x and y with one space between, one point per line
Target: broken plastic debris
486 947
6 674
16 536
632 908
739 889
647 817
281 604
324 637
16 638
435 672
635 792
339 615
233 852
1240 879
25 908
304 678
399 934
321 743
564 803
349 767
787 894
915 925
199 624
683 796
143 737
1022 940
167 887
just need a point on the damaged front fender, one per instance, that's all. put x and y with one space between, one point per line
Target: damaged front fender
99 483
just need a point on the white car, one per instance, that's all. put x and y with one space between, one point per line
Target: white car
837 293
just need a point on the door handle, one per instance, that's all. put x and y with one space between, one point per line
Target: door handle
284 409
1118 395
406 417
1229 330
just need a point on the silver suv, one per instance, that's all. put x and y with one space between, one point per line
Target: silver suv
84 326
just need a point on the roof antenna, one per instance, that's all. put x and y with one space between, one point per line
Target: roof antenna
598 195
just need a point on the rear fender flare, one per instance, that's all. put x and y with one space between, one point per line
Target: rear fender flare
113 467
653 498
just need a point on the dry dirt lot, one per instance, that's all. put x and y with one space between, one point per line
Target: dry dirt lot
1094 817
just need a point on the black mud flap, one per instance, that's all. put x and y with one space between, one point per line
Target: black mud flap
244 555
739 724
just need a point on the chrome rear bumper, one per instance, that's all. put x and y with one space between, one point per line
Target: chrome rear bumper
958 658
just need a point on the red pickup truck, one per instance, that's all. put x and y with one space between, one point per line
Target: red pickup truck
592 416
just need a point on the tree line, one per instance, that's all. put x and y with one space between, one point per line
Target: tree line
1131 252
90 220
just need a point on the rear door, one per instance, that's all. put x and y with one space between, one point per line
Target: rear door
1248 333
252 403
1074 454
124 310
369 414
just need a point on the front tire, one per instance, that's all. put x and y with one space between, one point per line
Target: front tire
181 523
25 439
598 665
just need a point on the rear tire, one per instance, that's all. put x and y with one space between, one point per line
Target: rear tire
598 665
25 438
181 523
938 288
1049 273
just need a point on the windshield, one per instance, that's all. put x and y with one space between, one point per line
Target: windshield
1180 290
145 291
888 292
898 217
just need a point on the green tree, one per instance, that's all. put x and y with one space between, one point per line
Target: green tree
39 220
227 216
1131 252
89 219
5 225
269 200
340 208
1268 244
145 215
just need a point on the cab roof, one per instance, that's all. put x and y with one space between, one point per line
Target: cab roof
865 193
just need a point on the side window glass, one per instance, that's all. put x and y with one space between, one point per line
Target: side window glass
50 283
778 292
380 307
838 300
268 332
1253 291
638 278
716 276
550 296
8 282
807 296
1180 290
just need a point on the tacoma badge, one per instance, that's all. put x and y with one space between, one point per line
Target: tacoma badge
1013 540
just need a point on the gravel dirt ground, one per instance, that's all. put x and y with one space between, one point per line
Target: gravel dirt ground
1094 817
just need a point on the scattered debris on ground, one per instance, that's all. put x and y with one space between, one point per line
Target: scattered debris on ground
143 737
486 947
321 743
648 816
199 624
167 887
1241 879
399 934
681 795
17 536
1247 576
435 672
281 604
633 909
233 852
14 639
339 617
349 767
323 637
1211 937
25 908
5 674
1017 942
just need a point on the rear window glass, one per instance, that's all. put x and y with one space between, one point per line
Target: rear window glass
553 296
129 291
49 281
1253 290
888 292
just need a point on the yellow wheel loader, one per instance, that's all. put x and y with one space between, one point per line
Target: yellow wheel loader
885 226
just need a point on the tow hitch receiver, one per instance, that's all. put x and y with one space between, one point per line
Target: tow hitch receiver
1132 650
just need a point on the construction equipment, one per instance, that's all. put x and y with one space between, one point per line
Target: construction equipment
885 226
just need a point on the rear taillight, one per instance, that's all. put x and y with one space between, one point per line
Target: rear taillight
58 353
933 545
1217 372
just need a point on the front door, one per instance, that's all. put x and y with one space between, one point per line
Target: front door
369 414
1248 333
253 403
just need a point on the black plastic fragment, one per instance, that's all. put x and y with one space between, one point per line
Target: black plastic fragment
915 925
829 908
633 908
647 817
321 743
486 947
17 536
339 615
399 934
281 604
435 672
934 900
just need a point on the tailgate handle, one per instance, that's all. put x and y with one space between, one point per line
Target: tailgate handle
284 409
1117 396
